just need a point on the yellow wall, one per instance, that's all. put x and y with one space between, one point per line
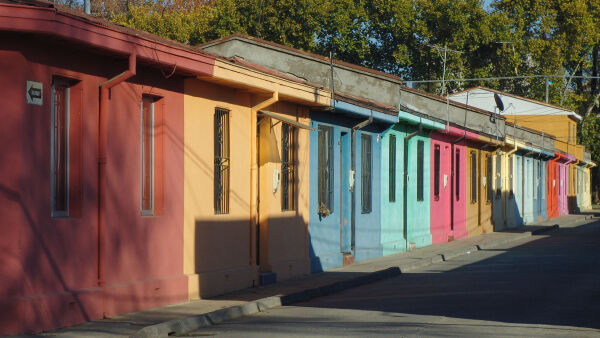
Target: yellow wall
216 247
560 126
479 213
283 234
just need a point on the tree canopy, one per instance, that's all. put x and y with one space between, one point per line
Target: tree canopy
483 39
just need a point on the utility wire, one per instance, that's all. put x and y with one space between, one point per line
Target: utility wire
504 78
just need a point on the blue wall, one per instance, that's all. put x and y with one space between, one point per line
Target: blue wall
327 239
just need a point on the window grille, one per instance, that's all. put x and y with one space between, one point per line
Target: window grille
366 173
288 167
474 181
325 168
147 143
420 169
457 175
498 176
222 161
392 168
436 172
60 148
510 176
489 172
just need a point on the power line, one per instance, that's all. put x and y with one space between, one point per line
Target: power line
504 78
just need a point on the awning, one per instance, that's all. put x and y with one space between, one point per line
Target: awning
287 120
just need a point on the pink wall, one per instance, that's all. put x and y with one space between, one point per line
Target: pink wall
49 265
448 211
563 205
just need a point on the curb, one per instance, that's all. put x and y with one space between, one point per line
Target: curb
189 324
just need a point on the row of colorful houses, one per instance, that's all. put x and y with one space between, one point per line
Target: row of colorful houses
138 172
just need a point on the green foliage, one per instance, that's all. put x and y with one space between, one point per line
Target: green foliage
406 37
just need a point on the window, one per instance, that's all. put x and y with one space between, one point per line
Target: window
535 179
288 167
488 179
498 176
543 171
436 172
510 176
222 161
325 168
60 149
474 180
457 175
147 143
392 168
420 165
366 173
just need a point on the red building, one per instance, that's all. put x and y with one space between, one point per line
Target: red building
91 167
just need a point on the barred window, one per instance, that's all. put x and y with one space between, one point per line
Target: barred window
474 180
288 167
510 176
489 172
147 143
221 179
392 168
498 176
60 148
366 173
420 168
436 172
457 175
325 168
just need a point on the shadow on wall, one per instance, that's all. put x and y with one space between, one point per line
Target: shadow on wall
229 255
572 203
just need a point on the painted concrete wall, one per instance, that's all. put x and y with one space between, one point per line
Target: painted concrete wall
217 248
331 236
479 211
418 212
448 219
514 207
50 265
350 79
563 208
392 212
283 233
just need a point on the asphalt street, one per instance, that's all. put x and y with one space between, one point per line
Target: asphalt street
542 286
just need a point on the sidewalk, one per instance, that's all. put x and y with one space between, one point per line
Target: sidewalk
186 317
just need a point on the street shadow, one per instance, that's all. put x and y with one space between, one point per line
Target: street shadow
551 280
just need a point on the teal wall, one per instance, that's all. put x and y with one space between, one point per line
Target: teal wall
418 227
392 213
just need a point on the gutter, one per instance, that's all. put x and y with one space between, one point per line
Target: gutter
102 158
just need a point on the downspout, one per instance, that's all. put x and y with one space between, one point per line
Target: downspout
254 198
405 192
102 158
353 170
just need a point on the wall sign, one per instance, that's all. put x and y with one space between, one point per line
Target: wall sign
34 93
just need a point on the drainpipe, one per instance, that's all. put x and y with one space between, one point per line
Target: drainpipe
359 126
254 198
405 192
102 158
